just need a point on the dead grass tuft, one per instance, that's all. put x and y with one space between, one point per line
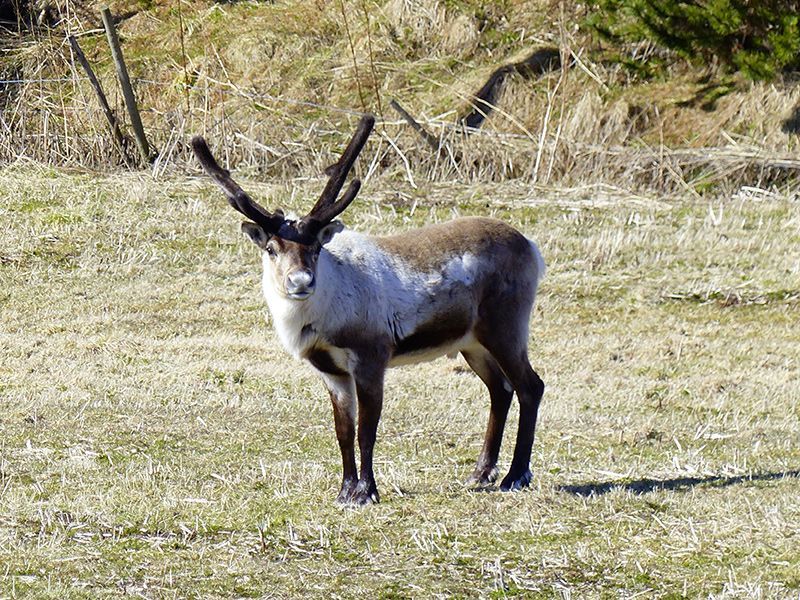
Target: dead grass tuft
277 95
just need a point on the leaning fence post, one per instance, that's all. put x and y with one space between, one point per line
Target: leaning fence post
119 139
125 82
430 139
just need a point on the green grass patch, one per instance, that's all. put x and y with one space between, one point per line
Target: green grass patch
158 441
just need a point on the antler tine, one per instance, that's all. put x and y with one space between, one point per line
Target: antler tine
237 197
329 212
326 207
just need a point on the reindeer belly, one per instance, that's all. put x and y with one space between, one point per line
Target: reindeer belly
444 334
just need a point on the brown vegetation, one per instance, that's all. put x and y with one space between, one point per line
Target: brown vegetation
292 74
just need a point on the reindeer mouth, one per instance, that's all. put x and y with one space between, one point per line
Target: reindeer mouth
301 295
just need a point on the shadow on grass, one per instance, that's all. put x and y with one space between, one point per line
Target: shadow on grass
645 486
792 124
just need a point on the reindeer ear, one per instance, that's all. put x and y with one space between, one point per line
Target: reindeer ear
258 236
326 234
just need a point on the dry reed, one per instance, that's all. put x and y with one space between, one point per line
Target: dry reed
567 129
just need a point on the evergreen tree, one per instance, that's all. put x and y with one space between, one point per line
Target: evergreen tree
760 38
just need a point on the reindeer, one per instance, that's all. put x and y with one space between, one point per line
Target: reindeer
353 305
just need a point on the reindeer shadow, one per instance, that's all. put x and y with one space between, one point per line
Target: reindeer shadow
679 484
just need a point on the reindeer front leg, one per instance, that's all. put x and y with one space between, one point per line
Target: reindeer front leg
369 388
343 400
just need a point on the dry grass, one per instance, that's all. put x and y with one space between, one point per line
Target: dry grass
265 81
157 442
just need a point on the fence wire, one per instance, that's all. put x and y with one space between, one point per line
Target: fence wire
57 121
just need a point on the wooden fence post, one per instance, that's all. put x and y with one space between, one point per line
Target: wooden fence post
430 139
119 138
125 82
440 148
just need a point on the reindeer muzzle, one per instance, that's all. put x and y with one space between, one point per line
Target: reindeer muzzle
300 284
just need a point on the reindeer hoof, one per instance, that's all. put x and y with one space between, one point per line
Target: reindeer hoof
512 483
359 494
483 476
366 492
364 499
346 493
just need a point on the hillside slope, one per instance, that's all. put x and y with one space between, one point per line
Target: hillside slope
277 83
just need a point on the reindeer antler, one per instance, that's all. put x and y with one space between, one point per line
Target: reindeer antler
327 208
237 197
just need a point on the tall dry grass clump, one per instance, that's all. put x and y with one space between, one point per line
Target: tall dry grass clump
428 28
279 95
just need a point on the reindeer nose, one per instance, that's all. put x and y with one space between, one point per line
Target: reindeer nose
300 283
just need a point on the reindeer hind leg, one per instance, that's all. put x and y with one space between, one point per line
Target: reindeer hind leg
511 354
529 388
500 394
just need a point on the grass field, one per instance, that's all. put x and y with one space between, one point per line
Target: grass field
156 441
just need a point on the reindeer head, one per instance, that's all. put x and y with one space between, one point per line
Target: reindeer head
292 247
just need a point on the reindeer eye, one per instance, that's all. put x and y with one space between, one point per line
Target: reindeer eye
271 251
